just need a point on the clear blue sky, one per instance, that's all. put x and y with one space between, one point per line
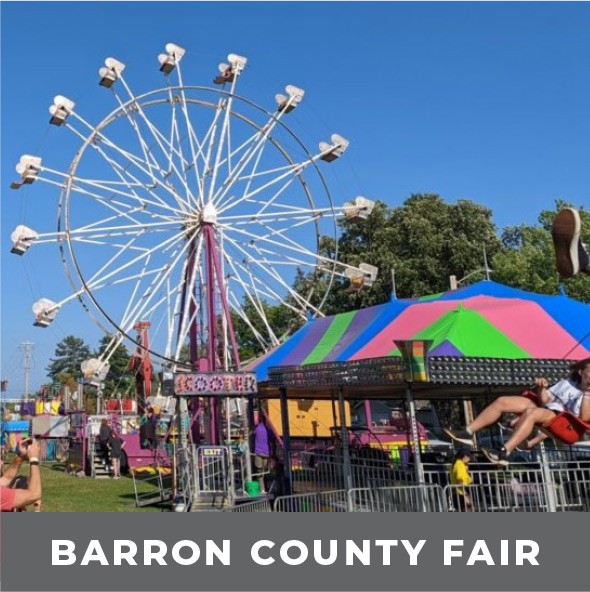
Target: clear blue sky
487 101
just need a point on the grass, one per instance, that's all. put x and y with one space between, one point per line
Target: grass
66 493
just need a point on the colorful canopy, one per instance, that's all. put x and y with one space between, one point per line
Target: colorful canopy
486 320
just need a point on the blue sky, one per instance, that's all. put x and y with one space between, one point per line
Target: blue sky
486 101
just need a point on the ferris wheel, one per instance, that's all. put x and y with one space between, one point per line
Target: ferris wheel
186 205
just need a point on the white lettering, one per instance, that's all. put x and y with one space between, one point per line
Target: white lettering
213 550
94 553
195 552
58 551
119 554
254 553
449 552
303 552
529 555
317 552
363 555
386 544
480 553
157 555
504 552
413 552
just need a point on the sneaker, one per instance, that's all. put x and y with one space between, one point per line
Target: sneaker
570 255
462 436
498 457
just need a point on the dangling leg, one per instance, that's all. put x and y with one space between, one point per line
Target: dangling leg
571 256
529 419
490 415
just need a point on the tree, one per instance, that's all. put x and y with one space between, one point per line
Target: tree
527 260
425 240
70 352
119 378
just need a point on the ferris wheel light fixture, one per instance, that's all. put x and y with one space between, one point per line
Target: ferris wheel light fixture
28 168
335 149
289 101
360 207
228 72
60 110
45 311
110 73
22 238
169 60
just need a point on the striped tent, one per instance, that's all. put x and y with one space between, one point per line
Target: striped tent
486 320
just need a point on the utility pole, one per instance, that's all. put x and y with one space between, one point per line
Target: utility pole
27 348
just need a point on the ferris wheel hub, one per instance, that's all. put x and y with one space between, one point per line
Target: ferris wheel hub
209 214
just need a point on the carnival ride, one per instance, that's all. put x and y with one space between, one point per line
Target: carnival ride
186 209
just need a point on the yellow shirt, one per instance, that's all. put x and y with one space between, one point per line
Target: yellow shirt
459 474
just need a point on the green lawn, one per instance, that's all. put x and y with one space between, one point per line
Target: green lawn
65 493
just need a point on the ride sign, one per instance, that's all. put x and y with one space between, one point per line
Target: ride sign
221 384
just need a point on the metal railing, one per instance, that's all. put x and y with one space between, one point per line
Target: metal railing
213 471
414 498
153 485
324 471
325 501
259 506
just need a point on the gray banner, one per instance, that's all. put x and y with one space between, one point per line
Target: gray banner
563 557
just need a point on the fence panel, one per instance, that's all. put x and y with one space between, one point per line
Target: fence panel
414 498
213 470
259 506
498 497
325 501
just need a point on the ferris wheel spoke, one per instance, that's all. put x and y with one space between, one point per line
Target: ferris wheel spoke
175 138
288 176
290 245
310 214
97 277
147 154
161 141
238 309
255 150
143 303
193 140
273 274
130 158
255 300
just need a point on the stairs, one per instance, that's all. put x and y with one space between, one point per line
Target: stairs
210 503
99 471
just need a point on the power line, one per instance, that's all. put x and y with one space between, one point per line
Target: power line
27 348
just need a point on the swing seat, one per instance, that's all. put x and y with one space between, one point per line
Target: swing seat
566 427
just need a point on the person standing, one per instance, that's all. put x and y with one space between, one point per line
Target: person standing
459 475
104 435
262 442
116 446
